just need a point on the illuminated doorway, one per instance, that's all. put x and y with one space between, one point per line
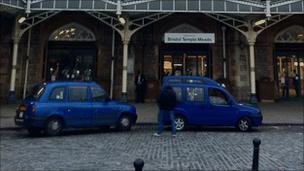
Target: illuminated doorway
288 64
185 59
289 60
71 54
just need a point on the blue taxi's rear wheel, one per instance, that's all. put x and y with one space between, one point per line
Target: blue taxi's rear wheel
180 123
53 126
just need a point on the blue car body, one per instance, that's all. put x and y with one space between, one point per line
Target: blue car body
202 110
88 110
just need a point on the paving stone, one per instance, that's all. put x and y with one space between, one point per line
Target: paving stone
195 149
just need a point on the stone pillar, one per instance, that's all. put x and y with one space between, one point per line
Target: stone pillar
224 53
16 39
251 38
125 71
252 68
126 35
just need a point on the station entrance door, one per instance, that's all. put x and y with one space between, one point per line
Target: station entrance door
185 59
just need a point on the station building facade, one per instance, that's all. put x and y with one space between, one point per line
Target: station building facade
78 43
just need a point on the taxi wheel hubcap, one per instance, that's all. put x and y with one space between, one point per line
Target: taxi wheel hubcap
55 125
179 123
244 125
125 122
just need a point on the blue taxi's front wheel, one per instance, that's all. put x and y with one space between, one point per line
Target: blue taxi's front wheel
244 124
124 123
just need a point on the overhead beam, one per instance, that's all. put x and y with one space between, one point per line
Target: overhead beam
34 20
171 6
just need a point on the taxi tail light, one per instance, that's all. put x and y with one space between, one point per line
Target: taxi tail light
21 108
33 109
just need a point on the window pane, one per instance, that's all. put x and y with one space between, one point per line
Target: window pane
98 94
78 94
217 97
57 94
195 94
178 92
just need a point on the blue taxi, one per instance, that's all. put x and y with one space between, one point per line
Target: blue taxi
53 106
202 101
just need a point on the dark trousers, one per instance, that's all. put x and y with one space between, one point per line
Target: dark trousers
140 94
297 88
161 114
285 91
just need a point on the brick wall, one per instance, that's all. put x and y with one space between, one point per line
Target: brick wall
144 50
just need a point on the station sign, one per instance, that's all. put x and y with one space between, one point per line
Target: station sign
189 38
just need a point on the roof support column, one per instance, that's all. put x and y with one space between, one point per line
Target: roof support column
250 29
224 53
19 30
126 35
251 36
16 39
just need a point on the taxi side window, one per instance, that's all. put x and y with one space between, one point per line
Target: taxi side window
217 97
78 94
195 94
98 94
178 92
57 94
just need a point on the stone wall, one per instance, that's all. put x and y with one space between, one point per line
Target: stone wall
6 26
144 52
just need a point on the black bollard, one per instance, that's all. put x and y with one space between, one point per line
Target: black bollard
256 148
138 164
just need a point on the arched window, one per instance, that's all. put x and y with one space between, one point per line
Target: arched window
293 34
72 32
184 28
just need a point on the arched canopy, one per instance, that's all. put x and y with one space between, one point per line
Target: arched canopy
184 28
292 34
72 32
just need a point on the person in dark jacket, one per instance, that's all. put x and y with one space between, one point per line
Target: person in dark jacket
166 103
140 83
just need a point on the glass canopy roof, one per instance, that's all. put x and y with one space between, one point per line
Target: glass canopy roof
191 6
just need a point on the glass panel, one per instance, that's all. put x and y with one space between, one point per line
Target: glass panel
172 81
57 94
167 5
191 65
71 64
168 65
194 81
98 94
72 32
185 65
180 5
178 92
195 94
289 68
217 97
202 65
178 65
78 94
193 5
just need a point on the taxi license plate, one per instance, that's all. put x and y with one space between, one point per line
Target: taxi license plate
21 115
19 120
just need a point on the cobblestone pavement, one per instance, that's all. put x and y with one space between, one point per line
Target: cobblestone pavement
195 149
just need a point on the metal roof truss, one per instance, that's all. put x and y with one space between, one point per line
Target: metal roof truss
194 6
